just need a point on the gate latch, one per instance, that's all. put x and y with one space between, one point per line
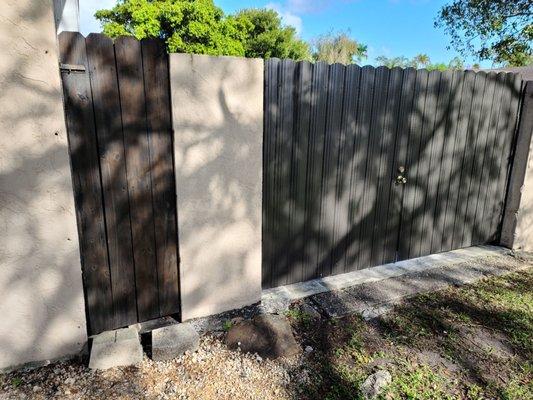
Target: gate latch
71 68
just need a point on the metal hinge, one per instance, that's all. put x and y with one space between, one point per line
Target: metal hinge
71 67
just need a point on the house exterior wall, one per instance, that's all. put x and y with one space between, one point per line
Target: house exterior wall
217 108
67 15
41 307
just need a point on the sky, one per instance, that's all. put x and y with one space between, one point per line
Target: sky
388 27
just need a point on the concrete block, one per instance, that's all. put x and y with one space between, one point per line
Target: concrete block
117 348
173 340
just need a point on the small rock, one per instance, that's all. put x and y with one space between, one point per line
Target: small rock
374 384
36 389
308 349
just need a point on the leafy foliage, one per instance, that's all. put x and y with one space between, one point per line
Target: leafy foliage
419 61
200 27
339 48
267 37
498 30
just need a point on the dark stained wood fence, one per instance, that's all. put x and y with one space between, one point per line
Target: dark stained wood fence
365 166
117 107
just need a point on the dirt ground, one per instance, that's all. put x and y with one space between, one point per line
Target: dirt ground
473 342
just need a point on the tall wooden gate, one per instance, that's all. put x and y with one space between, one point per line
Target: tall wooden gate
365 166
117 107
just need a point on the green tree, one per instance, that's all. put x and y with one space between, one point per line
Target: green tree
391 62
419 61
497 30
339 48
200 27
267 37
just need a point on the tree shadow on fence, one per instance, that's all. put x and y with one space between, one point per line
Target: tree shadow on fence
331 204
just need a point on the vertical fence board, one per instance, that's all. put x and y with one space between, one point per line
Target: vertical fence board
345 167
468 136
270 110
359 167
332 137
297 259
315 157
457 160
451 85
86 181
470 153
130 78
372 181
470 227
159 123
491 152
434 140
395 212
103 74
427 154
416 124
386 129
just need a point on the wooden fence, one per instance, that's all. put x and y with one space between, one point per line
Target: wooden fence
117 106
365 166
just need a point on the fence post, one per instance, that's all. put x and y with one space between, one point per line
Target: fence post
517 224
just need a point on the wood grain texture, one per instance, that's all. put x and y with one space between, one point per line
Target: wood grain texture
87 186
159 125
132 98
107 116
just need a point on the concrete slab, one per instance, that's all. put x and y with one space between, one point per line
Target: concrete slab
173 340
374 291
116 348
276 299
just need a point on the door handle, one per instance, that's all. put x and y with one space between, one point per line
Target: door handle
401 179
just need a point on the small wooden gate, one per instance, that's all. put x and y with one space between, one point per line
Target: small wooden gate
117 107
366 166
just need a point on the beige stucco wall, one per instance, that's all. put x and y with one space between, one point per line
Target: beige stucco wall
41 299
523 239
217 107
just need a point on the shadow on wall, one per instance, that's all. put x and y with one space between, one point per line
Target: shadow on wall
217 113
40 278
335 137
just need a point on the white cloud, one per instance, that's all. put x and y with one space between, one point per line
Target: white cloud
287 16
306 6
88 23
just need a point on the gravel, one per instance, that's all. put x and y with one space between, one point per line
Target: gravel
213 372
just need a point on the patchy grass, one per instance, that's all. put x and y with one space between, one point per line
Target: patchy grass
474 342
297 316
227 325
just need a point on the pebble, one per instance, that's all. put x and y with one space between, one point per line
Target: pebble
308 349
